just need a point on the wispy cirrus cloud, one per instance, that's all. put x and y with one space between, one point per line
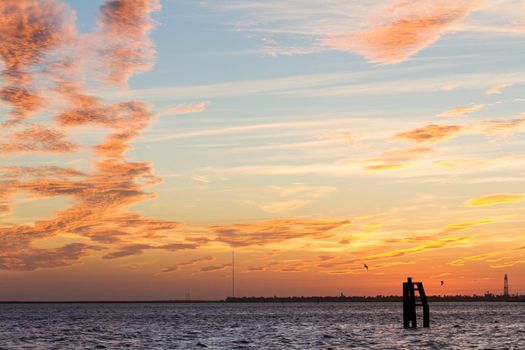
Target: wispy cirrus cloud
495 199
19 172
496 89
433 133
460 226
137 249
38 42
212 268
41 258
182 109
37 138
382 31
191 262
496 126
430 133
274 231
384 256
461 111
31 34
123 37
402 28
396 159
496 259
431 245
294 197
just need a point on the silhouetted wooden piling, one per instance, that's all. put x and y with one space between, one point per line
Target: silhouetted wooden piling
409 304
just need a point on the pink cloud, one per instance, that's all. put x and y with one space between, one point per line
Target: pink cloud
31 31
37 138
123 38
403 28
196 107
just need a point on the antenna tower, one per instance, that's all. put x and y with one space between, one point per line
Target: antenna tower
233 273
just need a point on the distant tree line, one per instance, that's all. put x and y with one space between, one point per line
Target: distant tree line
378 298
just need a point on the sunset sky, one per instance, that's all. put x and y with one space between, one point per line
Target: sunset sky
142 141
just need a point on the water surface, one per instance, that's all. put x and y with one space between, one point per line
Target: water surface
259 326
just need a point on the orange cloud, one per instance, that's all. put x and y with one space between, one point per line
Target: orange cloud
461 111
495 126
495 199
460 226
123 38
37 138
430 133
396 159
496 259
496 89
381 167
435 244
212 268
274 231
45 258
97 211
403 28
137 249
128 118
477 257
178 266
18 172
458 163
31 31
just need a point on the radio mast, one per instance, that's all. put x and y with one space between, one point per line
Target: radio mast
506 286
233 273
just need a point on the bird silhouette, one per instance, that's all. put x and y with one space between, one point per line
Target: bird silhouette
442 282
366 266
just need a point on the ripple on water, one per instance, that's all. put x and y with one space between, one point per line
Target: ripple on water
259 326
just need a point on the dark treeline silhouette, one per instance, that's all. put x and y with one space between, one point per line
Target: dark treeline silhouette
378 298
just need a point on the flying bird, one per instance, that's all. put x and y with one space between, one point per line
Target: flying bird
442 282
366 266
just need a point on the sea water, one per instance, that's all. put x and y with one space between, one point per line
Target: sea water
485 325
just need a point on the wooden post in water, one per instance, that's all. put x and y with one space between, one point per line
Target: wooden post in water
409 304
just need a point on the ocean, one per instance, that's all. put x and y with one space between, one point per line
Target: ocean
484 325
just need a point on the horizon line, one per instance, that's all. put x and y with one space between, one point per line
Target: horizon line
339 298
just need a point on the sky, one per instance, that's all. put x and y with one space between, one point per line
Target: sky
143 141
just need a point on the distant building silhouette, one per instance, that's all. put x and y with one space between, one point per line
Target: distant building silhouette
506 286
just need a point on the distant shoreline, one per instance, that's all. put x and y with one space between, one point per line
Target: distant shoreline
320 299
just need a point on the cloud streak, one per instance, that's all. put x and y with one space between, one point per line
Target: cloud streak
37 138
461 111
396 159
37 38
495 199
402 28
191 262
31 32
123 39
274 231
430 133
496 89
182 109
